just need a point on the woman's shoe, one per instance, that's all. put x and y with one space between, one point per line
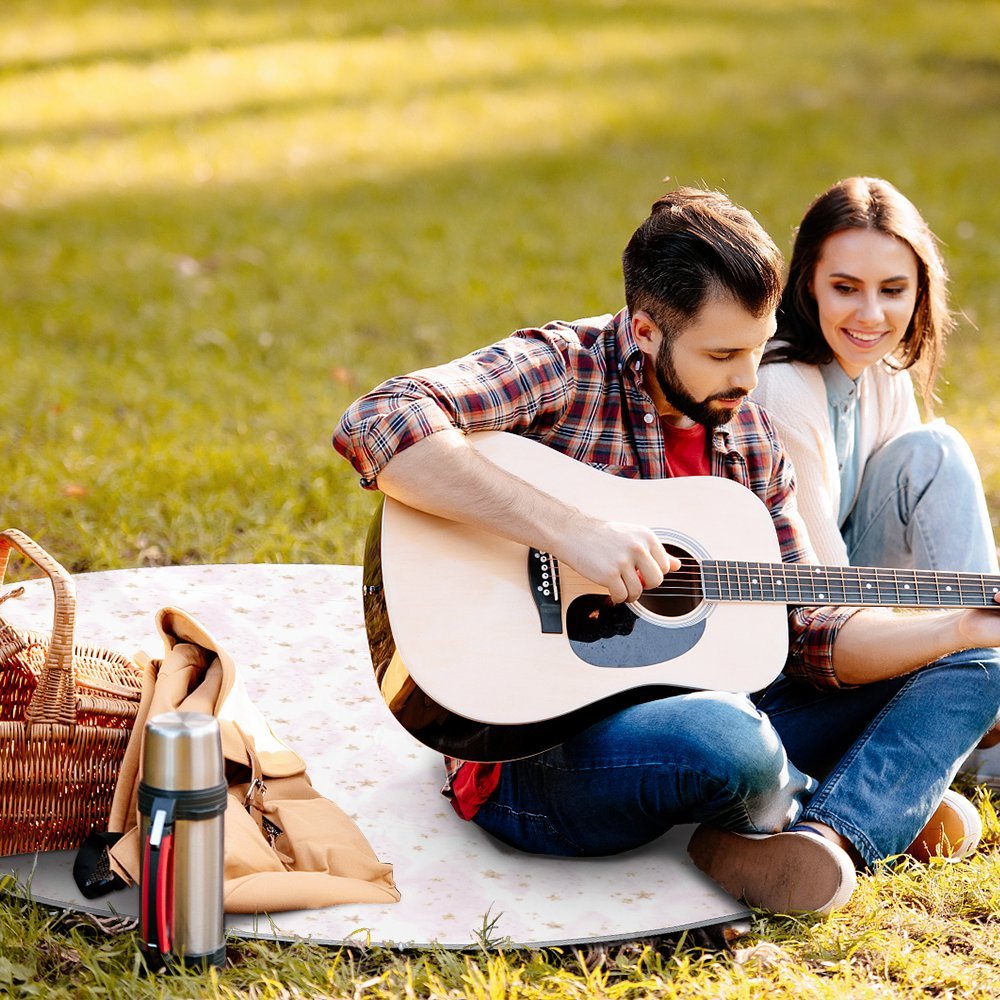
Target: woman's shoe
953 832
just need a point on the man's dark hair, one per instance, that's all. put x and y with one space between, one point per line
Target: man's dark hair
694 244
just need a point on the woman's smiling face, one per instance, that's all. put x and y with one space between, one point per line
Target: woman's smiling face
865 285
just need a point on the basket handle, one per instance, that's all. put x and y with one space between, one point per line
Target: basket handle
54 700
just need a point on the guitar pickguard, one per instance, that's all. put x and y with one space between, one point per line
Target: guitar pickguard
613 635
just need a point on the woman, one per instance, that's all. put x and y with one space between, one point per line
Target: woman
864 306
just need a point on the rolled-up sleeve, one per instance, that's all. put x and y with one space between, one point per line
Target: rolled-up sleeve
812 632
382 423
512 385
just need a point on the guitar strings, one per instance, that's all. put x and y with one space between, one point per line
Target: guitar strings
690 581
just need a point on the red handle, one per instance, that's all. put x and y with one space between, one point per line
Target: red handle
156 905
165 893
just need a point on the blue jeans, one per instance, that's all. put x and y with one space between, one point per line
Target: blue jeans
704 757
921 506
885 752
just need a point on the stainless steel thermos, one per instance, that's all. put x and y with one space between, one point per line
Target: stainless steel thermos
182 801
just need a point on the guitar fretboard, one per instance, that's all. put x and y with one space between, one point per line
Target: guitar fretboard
800 583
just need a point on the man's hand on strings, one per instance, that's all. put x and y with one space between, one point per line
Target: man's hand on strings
624 558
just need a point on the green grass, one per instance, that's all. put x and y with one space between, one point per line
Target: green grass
221 221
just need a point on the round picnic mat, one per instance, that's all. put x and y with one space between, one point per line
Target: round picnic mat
297 636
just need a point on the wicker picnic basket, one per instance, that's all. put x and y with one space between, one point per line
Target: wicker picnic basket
66 713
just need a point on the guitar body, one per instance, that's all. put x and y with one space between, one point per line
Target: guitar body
458 637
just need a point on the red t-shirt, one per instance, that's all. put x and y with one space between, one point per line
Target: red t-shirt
686 455
686 450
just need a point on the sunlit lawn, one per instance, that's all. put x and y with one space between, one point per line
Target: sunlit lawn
222 221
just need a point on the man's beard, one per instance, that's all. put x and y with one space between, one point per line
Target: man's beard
680 399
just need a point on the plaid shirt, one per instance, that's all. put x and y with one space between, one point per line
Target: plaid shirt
577 387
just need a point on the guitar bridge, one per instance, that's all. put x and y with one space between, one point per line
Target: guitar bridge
543 577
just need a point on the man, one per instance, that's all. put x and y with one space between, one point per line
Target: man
660 390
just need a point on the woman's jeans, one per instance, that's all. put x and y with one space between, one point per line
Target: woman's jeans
872 761
921 506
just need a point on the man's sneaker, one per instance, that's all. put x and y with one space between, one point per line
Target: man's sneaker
953 831
789 872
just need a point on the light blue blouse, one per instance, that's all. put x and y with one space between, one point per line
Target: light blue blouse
842 402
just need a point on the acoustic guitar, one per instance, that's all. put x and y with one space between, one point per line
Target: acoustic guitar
488 650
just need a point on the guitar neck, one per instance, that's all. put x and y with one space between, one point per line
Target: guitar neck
801 583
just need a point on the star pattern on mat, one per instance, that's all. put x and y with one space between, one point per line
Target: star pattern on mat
297 637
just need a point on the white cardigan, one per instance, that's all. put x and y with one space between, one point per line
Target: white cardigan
794 395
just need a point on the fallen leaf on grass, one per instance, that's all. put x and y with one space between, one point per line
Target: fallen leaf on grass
765 954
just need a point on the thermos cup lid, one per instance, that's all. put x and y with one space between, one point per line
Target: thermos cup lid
182 752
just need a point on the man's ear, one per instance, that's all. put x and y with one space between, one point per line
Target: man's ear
646 333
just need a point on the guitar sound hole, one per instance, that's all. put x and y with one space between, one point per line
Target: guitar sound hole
680 593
